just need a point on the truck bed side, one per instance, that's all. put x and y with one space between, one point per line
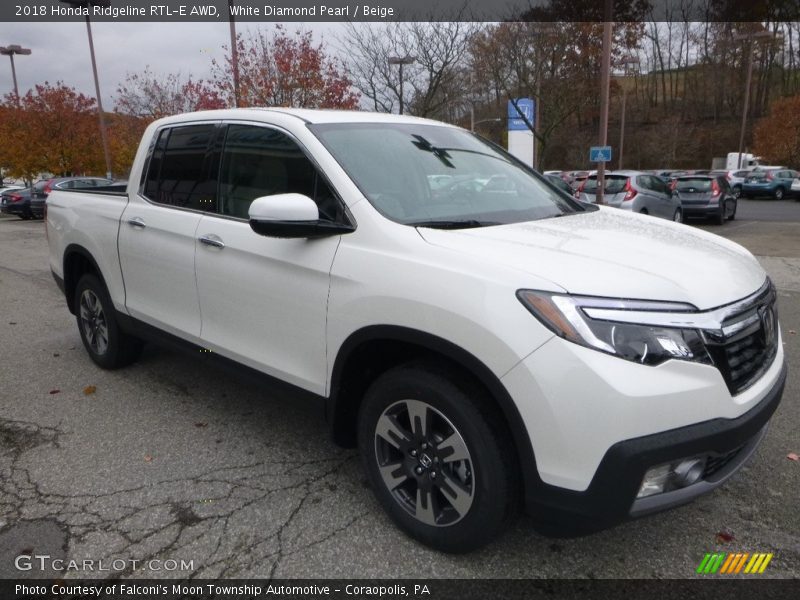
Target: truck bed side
87 222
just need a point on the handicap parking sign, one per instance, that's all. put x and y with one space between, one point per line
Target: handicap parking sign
600 154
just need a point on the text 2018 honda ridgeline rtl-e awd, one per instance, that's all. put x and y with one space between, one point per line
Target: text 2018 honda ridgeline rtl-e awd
484 339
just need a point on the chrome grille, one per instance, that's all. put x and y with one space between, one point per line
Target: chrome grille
748 341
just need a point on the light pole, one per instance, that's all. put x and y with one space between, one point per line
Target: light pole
100 115
10 51
752 37
401 60
605 80
625 61
234 57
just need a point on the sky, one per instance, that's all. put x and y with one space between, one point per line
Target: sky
60 51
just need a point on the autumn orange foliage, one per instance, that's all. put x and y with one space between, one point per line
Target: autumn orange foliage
777 136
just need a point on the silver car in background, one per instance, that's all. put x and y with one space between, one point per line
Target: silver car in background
635 191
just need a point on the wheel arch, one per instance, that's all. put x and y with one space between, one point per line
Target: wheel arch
370 351
77 262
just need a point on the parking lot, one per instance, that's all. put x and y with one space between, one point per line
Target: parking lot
170 460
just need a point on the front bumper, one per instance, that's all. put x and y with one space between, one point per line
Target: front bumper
611 496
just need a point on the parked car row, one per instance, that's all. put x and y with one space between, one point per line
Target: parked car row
28 203
690 195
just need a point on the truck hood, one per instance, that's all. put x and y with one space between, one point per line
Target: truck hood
615 254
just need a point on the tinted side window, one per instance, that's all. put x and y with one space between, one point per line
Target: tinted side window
186 179
258 161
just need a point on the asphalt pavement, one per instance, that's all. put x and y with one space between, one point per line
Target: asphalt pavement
171 468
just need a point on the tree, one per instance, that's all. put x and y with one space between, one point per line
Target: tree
153 96
53 128
432 83
777 136
276 69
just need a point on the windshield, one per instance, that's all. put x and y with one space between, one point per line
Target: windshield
435 176
694 184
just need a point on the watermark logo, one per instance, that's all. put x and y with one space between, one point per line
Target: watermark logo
734 562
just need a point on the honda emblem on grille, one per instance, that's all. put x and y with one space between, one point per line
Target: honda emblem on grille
768 329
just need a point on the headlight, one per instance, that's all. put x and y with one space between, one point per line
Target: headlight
605 324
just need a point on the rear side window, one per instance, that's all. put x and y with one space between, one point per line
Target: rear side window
181 171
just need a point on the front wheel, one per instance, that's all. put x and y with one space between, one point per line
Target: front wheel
108 346
677 216
437 457
779 193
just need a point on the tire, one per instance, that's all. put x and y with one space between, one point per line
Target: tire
108 346
719 218
737 191
778 193
677 216
451 505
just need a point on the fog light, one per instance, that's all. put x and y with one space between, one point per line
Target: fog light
672 476
655 480
689 472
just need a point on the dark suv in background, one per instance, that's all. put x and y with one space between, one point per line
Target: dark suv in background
709 196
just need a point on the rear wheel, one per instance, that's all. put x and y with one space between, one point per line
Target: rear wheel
737 191
437 457
678 216
719 218
108 346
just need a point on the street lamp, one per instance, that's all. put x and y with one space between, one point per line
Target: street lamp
495 120
234 56
626 60
101 117
401 60
605 81
752 37
10 51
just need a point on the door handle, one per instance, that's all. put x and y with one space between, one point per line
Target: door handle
137 222
210 239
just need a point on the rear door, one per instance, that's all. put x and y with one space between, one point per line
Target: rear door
157 235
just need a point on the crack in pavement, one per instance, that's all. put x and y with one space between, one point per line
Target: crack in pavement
228 520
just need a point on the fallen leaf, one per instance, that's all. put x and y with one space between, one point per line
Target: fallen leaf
26 551
56 354
724 538
793 456
201 424
148 458
55 391
12 322
89 389
792 332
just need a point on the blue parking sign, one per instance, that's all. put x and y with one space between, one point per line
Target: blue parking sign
600 154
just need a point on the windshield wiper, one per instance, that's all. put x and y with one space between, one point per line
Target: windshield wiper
453 224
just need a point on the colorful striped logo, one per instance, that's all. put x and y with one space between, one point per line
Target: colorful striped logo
733 563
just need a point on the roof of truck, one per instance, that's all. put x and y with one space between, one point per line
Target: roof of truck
308 115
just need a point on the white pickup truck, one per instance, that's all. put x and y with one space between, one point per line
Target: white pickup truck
484 339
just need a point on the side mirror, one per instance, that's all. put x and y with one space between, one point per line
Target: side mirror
291 216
